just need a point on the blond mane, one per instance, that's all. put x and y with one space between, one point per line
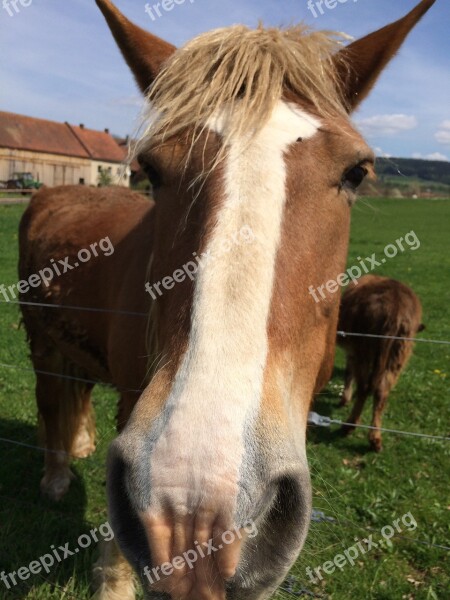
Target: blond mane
245 72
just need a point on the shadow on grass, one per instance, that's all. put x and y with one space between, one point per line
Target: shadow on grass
30 524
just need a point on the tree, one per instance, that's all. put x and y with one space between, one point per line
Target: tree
104 177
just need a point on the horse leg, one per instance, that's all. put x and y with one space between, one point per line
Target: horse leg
354 418
84 442
348 384
113 577
380 397
65 417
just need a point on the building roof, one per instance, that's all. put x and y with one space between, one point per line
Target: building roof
124 144
99 144
39 135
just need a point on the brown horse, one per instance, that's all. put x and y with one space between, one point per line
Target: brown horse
376 306
248 131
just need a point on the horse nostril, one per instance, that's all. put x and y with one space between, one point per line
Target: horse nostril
128 530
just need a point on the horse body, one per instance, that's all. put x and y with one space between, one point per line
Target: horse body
103 346
59 223
377 306
257 141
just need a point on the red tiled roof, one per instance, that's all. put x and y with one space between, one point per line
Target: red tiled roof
26 133
99 144
39 135
124 144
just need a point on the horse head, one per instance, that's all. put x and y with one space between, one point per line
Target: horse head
255 165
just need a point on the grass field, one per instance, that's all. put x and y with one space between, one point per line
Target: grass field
359 489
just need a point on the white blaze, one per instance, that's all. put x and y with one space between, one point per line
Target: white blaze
218 386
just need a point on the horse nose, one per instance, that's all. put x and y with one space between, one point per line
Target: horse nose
196 531
176 517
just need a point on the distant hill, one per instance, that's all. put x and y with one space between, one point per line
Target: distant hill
409 177
426 170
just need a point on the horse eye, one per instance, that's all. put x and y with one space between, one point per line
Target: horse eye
354 177
152 174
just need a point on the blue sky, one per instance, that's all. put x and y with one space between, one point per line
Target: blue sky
59 62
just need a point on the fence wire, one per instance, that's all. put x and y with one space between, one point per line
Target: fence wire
291 585
144 314
321 421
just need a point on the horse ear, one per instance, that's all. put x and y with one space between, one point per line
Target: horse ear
144 53
360 63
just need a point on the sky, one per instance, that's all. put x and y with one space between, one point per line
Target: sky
60 62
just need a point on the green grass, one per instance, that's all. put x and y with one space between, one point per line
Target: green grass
351 484
29 524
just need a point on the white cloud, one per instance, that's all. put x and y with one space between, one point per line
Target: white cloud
382 153
433 156
387 124
443 135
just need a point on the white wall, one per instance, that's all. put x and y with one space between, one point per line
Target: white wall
116 171
52 169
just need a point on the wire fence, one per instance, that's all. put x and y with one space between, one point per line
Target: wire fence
146 314
292 585
391 337
71 378
317 516
313 417
321 421
127 313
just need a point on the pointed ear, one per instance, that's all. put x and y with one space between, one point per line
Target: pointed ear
361 62
145 53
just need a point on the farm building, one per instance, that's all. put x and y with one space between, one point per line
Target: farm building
58 153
